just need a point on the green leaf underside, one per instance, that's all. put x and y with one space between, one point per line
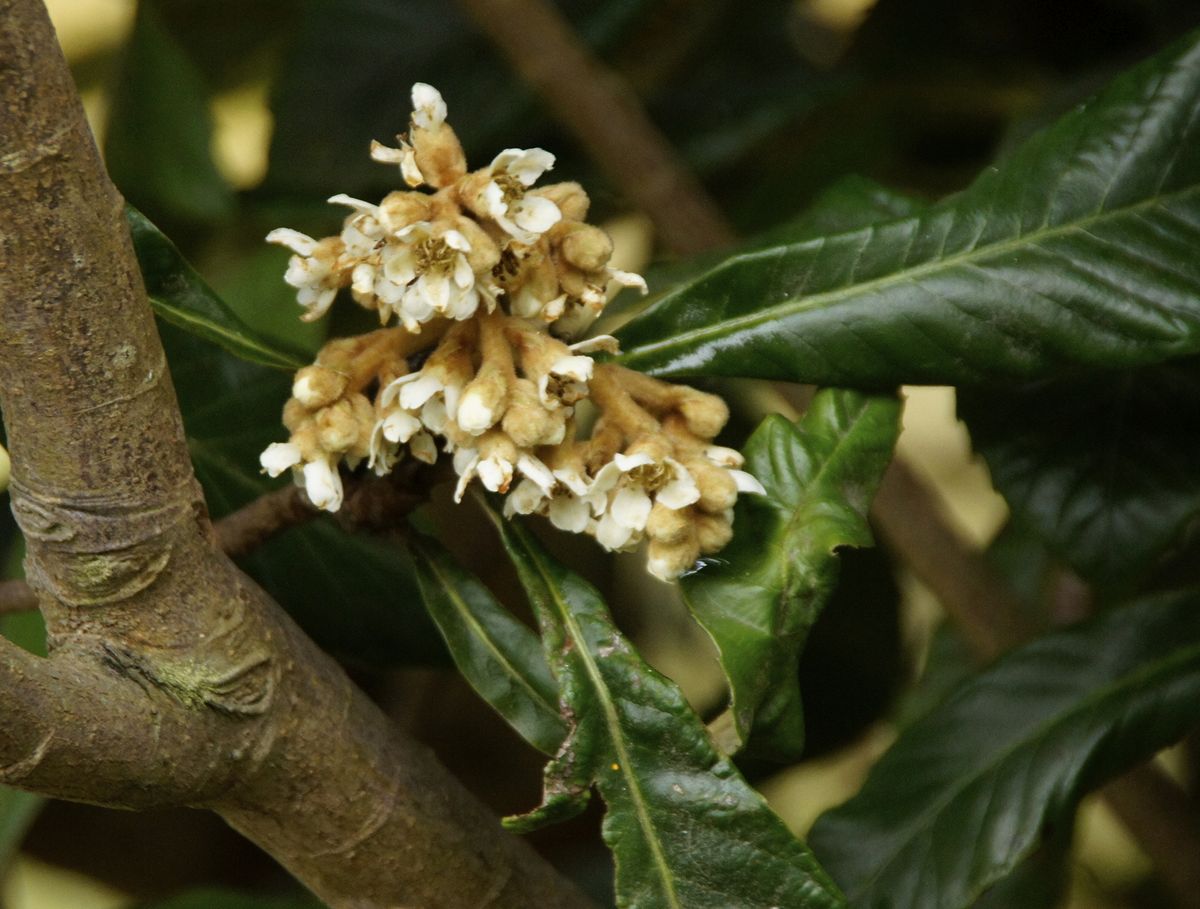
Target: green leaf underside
686 831
1076 251
760 596
180 296
499 656
1009 753
1102 468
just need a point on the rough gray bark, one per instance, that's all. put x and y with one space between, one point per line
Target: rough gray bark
173 679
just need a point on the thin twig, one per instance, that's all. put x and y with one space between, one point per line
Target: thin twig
606 117
593 102
244 530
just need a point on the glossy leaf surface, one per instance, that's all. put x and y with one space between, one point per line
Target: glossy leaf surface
499 656
1103 468
967 791
685 828
180 296
760 595
1074 251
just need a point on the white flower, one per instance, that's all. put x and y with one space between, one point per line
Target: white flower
566 382
627 488
505 201
278 457
323 484
746 482
312 270
425 272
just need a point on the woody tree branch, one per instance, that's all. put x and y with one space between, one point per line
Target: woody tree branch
172 679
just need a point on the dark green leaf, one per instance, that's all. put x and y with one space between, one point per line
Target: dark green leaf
181 297
760 595
968 791
685 828
355 595
159 129
1075 251
500 657
1103 468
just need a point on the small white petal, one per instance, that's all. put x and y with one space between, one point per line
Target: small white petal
606 478
526 498
626 463
455 240
278 457
474 414
611 534
433 414
606 343
399 426
681 491
466 472
629 279
323 485
526 164
493 200
569 513
362 279
423 447
434 287
385 155
495 473
724 457
357 204
631 508
463 276
538 472
465 459
535 214
577 368
747 482
415 394
573 480
429 110
297 242
408 167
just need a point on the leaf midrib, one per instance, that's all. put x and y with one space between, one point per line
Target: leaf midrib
1083 705
187 320
480 633
793 306
612 720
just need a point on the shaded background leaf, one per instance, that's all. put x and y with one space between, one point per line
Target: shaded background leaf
1009 753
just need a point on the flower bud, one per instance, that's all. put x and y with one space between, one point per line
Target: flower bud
586 247
483 400
706 414
317 386
667 561
337 428
526 421
295 414
713 531
669 525
570 198
404 208
718 489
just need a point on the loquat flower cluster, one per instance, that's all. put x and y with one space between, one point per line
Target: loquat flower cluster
489 278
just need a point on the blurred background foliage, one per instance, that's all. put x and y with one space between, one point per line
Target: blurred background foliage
222 119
